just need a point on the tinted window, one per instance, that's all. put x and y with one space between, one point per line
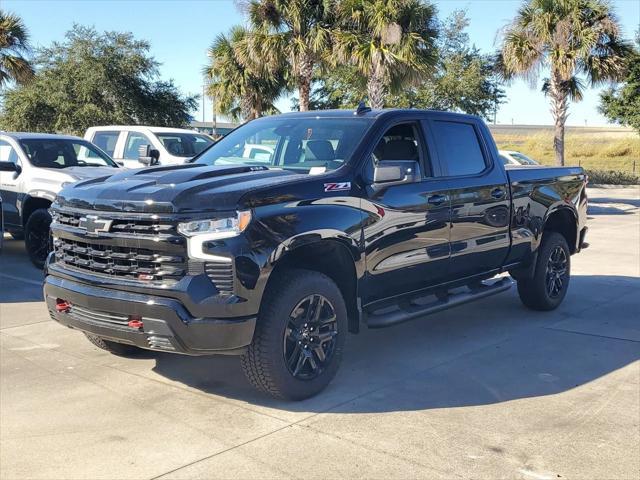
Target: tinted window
62 153
134 141
106 141
458 147
400 142
184 144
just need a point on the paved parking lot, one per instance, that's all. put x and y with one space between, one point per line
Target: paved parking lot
487 390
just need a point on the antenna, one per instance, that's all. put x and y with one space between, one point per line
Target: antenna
362 109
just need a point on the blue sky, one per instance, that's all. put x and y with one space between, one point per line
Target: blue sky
180 31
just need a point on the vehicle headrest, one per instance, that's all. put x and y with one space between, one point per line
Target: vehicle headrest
400 150
319 150
44 157
174 146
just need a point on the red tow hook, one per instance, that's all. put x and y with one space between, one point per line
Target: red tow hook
62 306
135 321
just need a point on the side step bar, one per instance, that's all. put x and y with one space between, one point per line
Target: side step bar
408 309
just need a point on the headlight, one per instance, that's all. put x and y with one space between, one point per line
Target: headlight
219 228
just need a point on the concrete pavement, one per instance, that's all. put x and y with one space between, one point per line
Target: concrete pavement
487 390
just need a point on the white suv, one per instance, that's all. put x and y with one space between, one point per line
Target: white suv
164 146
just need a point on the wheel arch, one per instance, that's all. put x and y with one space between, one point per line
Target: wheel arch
34 201
332 258
564 221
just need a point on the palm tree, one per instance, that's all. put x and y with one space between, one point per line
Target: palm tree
391 43
570 38
294 32
14 43
239 89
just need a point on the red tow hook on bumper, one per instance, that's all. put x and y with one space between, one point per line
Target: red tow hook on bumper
62 306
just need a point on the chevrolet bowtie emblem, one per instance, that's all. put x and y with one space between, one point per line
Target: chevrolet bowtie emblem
93 225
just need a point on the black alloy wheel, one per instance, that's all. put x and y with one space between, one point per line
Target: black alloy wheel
37 238
309 338
556 272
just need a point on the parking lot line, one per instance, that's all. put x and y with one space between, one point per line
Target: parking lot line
21 279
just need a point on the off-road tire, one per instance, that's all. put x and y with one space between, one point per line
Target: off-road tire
37 237
116 348
534 292
264 362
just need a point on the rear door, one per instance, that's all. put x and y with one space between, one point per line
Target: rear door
407 233
479 195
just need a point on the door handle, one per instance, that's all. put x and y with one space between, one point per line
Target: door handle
497 193
437 199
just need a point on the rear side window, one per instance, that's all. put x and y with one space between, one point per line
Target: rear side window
458 147
106 141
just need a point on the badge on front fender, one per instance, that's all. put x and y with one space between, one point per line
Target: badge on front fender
337 187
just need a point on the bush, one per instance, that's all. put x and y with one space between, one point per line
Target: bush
612 177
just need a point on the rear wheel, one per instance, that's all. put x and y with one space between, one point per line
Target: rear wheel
36 236
299 337
116 348
549 285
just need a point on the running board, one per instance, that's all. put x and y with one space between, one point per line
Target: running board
407 309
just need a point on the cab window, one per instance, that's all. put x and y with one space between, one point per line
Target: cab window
401 142
134 141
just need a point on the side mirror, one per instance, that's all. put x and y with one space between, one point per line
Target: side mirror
10 167
148 156
393 172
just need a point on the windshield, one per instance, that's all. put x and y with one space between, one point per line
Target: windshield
307 144
184 144
63 153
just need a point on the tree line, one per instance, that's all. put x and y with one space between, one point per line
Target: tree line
326 54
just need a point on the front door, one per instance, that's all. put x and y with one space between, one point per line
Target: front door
479 194
406 233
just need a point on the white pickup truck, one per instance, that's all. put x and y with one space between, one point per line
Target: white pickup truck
164 146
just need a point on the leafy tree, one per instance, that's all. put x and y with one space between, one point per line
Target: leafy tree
464 80
622 104
570 38
390 42
94 79
241 91
14 45
294 32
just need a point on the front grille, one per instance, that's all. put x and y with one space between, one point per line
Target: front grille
148 227
126 262
221 274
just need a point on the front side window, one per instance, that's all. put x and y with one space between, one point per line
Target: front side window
304 144
458 147
7 152
63 153
106 141
134 141
400 142
184 144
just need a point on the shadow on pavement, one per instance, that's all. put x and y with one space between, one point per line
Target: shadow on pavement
612 206
487 352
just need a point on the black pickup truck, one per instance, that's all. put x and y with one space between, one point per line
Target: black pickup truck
334 220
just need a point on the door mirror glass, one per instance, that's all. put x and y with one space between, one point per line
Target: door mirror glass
148 156
10 167
395 171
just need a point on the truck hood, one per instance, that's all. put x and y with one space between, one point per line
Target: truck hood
171 189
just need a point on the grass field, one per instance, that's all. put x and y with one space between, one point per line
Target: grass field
591 149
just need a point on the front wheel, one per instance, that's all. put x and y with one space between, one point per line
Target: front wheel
549 285
299 337
36 236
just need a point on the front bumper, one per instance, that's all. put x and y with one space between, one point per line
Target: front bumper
167 324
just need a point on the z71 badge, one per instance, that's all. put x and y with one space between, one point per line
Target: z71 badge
337 187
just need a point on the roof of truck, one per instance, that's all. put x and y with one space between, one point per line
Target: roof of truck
39 136
368 113
103 128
